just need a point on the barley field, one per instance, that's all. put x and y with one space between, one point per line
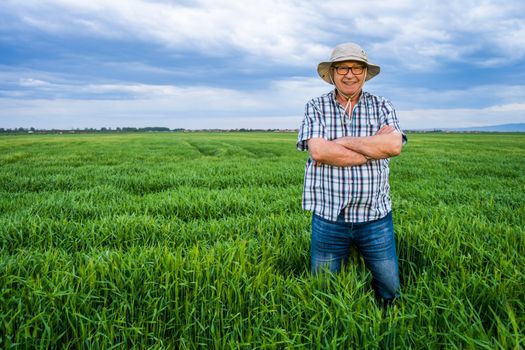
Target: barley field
198 241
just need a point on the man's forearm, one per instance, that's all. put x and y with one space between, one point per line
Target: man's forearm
332 153
379 146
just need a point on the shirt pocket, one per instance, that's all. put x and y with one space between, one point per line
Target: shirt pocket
371 127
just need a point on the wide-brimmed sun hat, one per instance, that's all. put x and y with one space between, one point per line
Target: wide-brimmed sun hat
347 52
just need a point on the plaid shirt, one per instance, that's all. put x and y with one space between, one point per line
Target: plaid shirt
360 192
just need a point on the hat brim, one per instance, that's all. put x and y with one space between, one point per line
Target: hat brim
323 69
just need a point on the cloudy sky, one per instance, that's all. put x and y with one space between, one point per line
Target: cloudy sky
252 64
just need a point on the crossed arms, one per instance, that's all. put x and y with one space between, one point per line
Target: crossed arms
350 151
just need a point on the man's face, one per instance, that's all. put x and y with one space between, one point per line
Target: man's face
349 81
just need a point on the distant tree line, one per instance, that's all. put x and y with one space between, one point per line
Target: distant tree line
86 130
128 130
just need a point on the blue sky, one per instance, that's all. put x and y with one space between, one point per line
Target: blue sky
252 64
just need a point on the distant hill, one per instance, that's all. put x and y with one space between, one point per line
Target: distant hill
516 127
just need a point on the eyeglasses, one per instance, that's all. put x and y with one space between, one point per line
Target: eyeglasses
342 70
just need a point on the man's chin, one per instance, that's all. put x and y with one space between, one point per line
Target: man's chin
350 92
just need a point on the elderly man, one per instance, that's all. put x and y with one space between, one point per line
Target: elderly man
350 135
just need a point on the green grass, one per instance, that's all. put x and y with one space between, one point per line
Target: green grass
198 241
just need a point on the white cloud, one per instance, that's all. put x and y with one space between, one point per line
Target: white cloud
278 30
171 113
480 95
458 118
421 35
512 107
409 34
277 95
174 113
297 32
279 105
33 83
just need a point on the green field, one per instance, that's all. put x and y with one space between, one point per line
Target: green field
198 240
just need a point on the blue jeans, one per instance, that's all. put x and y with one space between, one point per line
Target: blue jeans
332 240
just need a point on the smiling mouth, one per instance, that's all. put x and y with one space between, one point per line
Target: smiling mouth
349 82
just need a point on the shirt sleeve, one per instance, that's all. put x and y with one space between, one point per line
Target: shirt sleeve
390 118
312 126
